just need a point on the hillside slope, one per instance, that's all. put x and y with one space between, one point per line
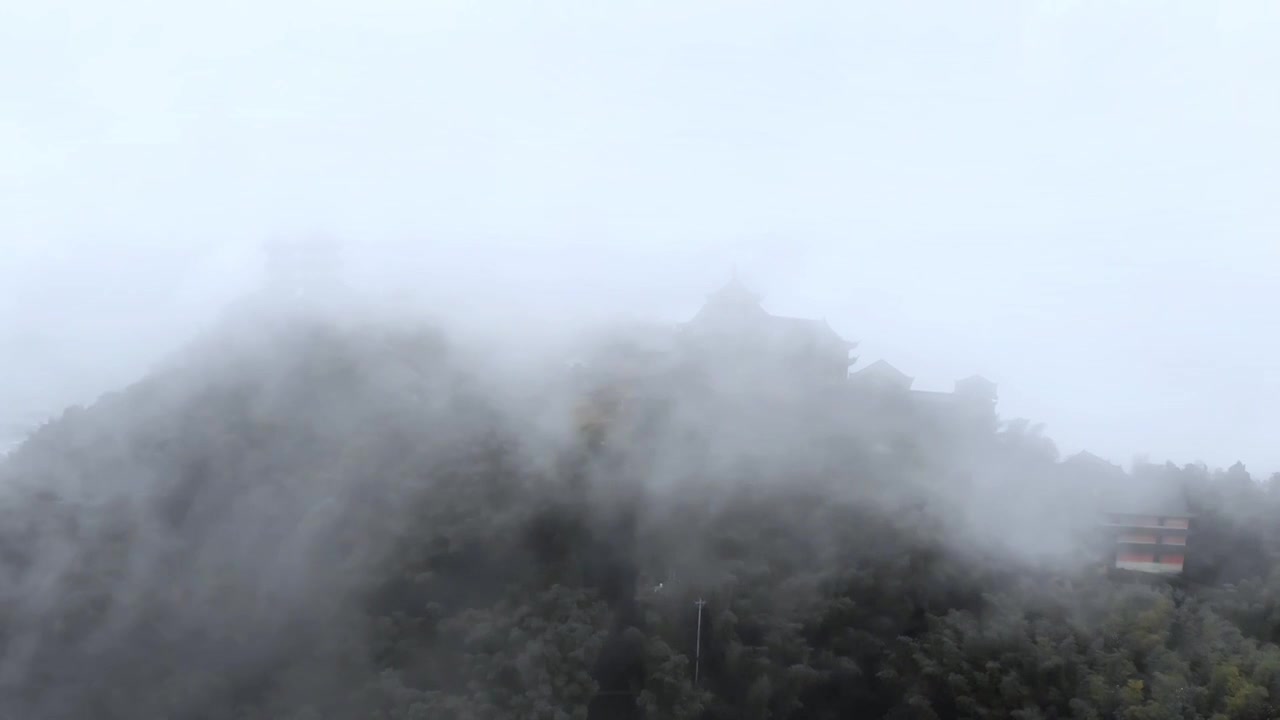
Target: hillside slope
304 518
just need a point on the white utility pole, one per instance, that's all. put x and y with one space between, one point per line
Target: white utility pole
697 643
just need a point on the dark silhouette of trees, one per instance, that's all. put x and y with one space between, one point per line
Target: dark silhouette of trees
323 521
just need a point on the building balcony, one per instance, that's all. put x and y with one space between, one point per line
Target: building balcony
1149 540
1161 528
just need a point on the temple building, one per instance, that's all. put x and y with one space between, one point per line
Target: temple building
880 375
734 327
735 331
973 398
977 389
732 343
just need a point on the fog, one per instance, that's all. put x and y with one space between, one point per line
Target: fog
513 459
382 500
1069 197
328 505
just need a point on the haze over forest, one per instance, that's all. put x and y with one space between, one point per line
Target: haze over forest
327 508
1072 198
485 470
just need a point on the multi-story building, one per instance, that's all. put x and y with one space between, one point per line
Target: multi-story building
1148 537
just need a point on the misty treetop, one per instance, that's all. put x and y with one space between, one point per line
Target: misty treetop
315 518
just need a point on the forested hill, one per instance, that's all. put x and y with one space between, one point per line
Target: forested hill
307 519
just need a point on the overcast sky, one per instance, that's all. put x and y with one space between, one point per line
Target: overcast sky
1075 199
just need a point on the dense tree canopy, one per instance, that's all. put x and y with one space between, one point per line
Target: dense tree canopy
317 519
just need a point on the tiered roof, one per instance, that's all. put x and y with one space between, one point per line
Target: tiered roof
735 303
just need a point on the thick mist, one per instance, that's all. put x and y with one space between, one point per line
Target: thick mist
319 506
616 361
1071 198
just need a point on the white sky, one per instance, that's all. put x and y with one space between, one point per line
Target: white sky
1076 199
